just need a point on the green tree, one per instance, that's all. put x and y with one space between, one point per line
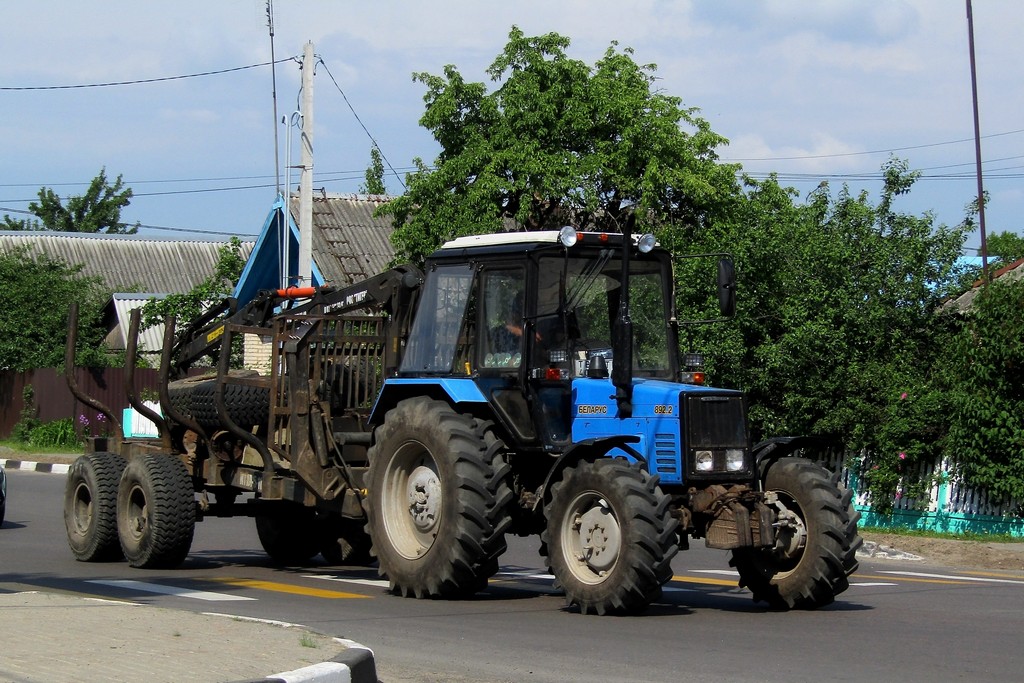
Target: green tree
986 384
836 317
558 142
98 210
34 317
188 306
374 177
1005 247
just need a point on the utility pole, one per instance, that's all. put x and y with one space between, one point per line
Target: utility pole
977 145
305 273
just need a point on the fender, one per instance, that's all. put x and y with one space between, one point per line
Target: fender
588 450
766 453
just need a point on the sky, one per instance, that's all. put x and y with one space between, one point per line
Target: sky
814 90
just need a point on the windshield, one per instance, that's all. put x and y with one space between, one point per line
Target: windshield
590 289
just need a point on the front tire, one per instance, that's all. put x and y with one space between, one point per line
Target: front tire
155 511
815 549
90 507
609 538
437 501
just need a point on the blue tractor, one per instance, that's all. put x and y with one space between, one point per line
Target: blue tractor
524 383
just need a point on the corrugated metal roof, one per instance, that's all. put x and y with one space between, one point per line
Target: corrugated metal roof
349 243
151 340
127 262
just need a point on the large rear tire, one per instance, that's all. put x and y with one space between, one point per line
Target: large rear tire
609 538
155 511
816 545
90 507
437 506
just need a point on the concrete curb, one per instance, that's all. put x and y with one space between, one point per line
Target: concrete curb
354 665
29 466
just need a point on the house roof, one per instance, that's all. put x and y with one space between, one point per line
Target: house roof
349 243
117 316
1008 273
127 262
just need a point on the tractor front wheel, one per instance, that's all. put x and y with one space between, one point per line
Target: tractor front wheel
610 538
816 539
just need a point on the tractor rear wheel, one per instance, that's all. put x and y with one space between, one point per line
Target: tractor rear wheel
156 513
438 500
816 540
90 506
610 538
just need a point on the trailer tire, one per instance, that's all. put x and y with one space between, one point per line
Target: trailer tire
90 506
438 496
343 541
156 511
287 532
813 557
609 539
247 405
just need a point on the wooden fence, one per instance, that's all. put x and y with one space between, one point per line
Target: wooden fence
53 399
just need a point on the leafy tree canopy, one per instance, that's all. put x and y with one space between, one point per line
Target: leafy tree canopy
98 210
1005 247
557 142
374 176
34 318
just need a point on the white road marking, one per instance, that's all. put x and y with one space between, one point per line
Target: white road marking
954 577
170 590
378 583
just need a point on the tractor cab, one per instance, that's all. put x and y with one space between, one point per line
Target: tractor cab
523 316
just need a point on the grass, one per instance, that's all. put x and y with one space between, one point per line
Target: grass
23 447
922 533
308 641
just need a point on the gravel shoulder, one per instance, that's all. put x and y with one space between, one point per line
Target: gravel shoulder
948 552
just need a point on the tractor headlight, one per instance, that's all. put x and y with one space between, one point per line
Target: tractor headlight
646 243
705 461
567 236
734 461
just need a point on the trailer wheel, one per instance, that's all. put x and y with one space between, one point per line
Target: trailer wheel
816 545
155 511
344 541
287 533
437 506
609 539
90 506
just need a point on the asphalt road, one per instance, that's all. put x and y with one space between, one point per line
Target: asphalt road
898 621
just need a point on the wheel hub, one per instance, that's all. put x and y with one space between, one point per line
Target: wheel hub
600 538
423 492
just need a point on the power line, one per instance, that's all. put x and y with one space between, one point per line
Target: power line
877 151
360 121
145 80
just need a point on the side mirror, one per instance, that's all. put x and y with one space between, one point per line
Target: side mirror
726 287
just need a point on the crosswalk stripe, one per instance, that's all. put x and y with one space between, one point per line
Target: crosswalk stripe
169 590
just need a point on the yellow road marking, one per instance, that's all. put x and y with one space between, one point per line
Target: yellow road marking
711 582
289 588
